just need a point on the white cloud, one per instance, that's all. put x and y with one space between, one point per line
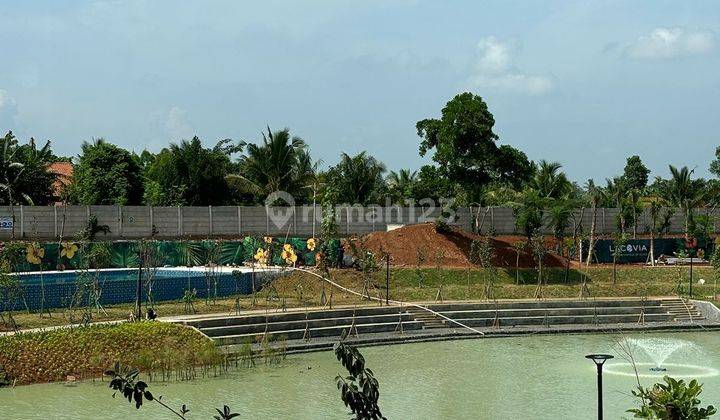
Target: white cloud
177 125
672 42
8 112
494 70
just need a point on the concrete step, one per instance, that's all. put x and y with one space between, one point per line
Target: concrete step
334 331
486 313
291 316
562 320
587 303
300 324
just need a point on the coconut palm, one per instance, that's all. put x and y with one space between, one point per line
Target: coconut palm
683 192
615 192
357 179
10 171
549 181
280 163
400 184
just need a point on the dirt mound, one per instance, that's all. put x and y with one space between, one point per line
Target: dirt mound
451 249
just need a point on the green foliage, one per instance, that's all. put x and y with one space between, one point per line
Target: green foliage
635 174
106 174
92 228
357 179
464 145
400 185
672 400
715 164
529 213
35 182
189 174
359 391
280 163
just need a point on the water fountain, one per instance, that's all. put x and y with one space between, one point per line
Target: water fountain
659 351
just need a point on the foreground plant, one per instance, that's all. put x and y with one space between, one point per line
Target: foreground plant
673 400
359 390
125 381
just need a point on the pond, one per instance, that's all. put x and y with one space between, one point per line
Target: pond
539 377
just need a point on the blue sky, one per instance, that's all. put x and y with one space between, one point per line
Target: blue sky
583 83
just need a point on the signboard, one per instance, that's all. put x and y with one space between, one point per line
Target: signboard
6 223
634 250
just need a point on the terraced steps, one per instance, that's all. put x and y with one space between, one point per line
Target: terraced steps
298 326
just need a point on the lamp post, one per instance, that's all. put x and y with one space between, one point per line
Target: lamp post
599 360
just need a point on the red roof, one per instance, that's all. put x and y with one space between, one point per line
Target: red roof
63 172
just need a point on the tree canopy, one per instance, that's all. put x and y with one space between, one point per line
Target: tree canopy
106 174
464 146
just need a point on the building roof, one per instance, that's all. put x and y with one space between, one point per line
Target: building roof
63 172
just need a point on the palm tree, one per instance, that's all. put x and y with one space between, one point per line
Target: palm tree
400 183
10 172
659 222
615 191
683 192
550 181
596 196
280 163
357 179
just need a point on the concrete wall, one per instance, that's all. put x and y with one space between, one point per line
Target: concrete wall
38 222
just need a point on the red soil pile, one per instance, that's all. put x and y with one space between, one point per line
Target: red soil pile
404 243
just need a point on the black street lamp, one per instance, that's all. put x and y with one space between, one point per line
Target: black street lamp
599 360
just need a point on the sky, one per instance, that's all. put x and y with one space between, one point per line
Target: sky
584 83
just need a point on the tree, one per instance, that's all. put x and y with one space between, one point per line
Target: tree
660 221
189 174
464 146
595 196
431 183
715 164
635 175
35 182
615 192
280 163
683 192
400 184
357 179
23 173
549 181
106 174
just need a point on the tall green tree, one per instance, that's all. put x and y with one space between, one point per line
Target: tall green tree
281 162
431 183
36 181
189 174
683 192
715 164
549 181
464 146
357 179
635 174
106 174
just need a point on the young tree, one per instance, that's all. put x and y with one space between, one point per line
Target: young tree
596 196
660 219
683 192
106 174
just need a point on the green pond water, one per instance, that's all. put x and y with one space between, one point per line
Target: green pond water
533 377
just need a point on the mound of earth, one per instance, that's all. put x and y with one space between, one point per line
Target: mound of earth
451 249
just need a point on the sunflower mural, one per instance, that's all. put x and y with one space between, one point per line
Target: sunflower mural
288 255
311 244
261 256
34 253
68 250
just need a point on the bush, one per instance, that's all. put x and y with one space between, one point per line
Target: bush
672 400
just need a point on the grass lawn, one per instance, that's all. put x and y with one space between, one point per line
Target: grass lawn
408 284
